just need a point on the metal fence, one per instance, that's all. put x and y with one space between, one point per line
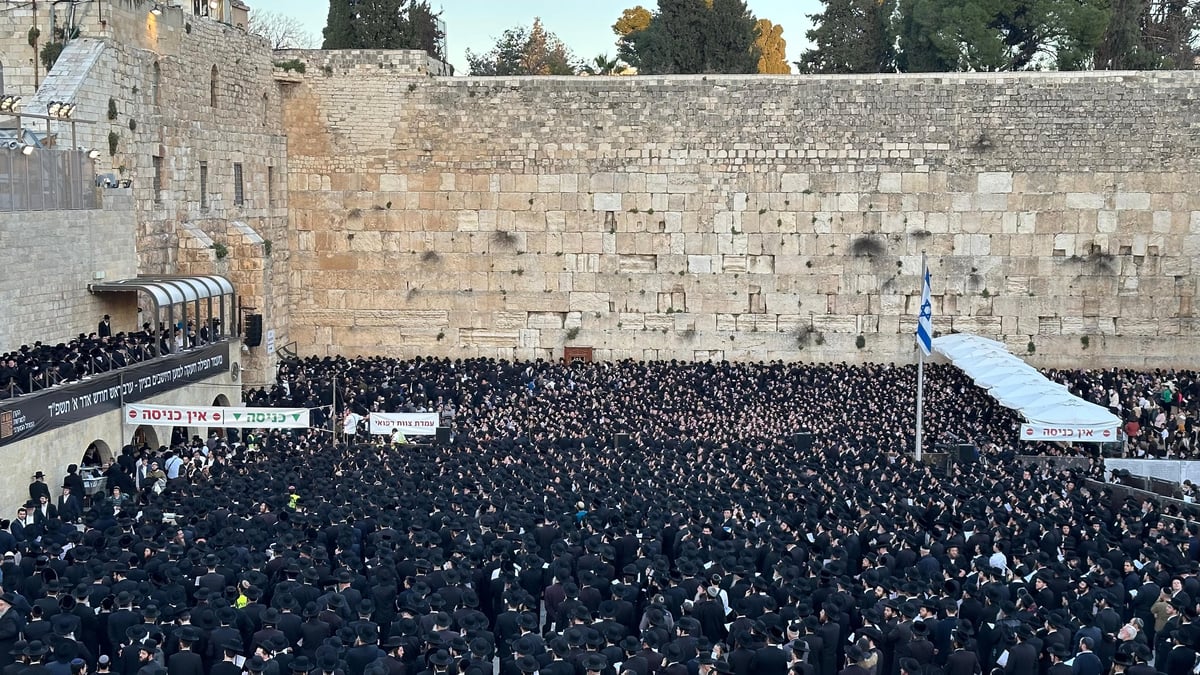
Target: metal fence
47 180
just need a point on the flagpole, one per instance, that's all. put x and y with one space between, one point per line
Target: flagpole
920 399
920 377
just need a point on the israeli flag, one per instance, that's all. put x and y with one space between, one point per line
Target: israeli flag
925 318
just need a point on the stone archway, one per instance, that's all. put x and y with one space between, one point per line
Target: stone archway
221 401
97 454
145 435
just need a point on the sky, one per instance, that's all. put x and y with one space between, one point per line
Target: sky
584 25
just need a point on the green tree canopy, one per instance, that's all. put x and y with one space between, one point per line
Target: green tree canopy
525 51
850 36
861 36
383 24
690 36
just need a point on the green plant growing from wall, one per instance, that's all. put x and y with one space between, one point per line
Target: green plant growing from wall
290 65
860 341
112 109
221 250
114 139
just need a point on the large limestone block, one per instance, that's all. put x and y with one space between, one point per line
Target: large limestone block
607 201
589 302
995 182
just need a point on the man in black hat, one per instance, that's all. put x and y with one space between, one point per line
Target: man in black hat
1022 656
1182 656
919 648
440 663
854 662
148 655
393 658
186 661
38 488
11 625
1059 654
122 619
962 661
36 652
104 328
364 651
228 664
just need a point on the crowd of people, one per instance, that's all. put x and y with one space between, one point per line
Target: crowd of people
708 542
1158 409
39 366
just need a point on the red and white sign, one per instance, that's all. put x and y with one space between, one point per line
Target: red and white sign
1041 432
243 418
409 424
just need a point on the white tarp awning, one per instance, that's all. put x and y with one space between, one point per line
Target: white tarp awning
1051 410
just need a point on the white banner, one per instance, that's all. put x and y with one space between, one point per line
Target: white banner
1042 432
409 424
180 416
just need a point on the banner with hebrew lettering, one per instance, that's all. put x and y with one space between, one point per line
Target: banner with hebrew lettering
204 416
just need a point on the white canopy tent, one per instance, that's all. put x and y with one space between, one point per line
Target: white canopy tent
1051 411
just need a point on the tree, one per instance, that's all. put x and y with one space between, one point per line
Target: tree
691 36
383 24
850 36
423 31
525 51
339 30
602 65
280 30
772 49
380 24
996 35
1150 34
632 20
729 43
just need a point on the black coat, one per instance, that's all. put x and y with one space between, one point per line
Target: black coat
962 662
185 663
10 631
770 661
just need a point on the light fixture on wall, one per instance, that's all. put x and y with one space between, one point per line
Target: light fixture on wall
27 150
93 153
60 110
157 11
9 103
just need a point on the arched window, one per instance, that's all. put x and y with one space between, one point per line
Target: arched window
212 88
155 83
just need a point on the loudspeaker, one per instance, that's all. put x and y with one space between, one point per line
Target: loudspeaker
802 442
621 441
254 330
967 454
443 435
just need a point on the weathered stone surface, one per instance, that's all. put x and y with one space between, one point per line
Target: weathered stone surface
745 224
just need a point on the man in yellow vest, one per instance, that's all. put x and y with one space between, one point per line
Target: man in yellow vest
398 438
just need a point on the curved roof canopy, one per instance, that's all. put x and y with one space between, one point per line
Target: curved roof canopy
1017 385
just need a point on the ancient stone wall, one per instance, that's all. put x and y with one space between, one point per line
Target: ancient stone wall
50 257
166 98
743 217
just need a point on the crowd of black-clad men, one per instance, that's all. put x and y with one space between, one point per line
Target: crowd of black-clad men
707 542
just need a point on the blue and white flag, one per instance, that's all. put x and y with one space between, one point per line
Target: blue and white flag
925 318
